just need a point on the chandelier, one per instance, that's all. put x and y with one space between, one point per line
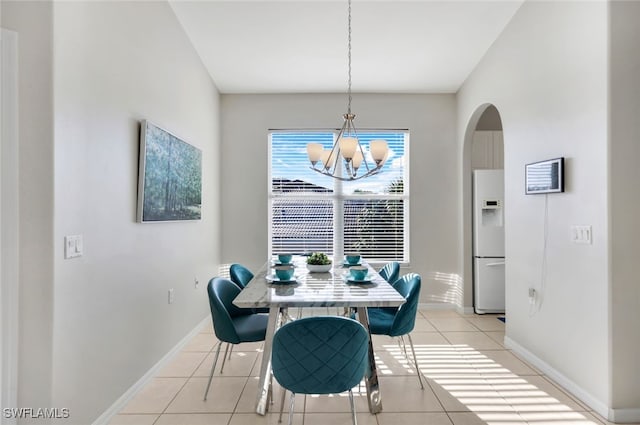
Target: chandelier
347 145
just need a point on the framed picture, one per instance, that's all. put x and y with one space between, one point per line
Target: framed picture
169 177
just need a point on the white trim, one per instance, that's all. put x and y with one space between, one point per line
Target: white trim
437 306
337 197
122 401
623 416
9 214
577 391
465 310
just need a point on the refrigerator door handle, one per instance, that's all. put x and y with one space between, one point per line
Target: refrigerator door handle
495 264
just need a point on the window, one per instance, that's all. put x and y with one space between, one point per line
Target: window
312 212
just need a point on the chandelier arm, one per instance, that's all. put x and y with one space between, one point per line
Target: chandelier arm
347 179
336 147
352 128
364 158
344 126
332 167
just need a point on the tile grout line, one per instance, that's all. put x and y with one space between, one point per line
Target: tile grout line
186 380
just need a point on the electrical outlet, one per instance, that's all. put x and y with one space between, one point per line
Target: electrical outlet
170 296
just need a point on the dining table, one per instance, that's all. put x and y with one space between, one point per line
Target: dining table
313 289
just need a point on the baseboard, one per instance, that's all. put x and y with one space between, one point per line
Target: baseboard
133 390
446 306
437 306
623 416
465 310
577 391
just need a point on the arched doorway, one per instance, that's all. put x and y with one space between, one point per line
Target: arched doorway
483 235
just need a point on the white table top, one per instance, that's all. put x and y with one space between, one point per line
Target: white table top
317 289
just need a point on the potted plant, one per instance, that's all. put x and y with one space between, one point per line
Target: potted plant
318 262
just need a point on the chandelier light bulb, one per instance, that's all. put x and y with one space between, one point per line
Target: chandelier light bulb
328 158
379 151
348 146
357 160
314 151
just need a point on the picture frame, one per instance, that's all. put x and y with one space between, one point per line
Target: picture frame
544 176
169 177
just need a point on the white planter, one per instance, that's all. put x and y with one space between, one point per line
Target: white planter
315 268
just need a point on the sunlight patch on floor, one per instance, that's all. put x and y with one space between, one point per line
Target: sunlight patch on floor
488 389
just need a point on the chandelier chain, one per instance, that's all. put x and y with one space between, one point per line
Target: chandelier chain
349 57
347 145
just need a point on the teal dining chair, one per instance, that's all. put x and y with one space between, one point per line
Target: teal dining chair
231 324
240 275
320 355
399 321
390 272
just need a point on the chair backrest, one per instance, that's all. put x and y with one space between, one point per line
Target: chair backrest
409 287
240 275
320 354
390 272
222 292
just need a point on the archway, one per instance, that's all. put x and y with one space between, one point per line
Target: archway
483 149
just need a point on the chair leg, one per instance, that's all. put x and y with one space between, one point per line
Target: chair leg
271 390
213 368
293 400
403 347
415 360
353 408
224 357
230 350
284 394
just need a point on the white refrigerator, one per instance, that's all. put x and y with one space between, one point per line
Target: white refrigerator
488 241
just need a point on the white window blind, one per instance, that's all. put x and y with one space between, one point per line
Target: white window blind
302 225
375 228
312 212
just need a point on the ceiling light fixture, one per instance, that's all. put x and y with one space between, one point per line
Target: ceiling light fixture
348 145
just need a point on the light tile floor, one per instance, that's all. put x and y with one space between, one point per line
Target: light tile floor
472 379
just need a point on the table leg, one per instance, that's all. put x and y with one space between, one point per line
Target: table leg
265 368
371 379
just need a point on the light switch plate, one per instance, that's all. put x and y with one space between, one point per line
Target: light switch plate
581 234
73 246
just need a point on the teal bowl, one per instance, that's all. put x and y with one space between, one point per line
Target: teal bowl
284 272
353 259
285 258
358 272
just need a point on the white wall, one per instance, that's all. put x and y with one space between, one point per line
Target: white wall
33 23
625 207
115 64
547 76
246 120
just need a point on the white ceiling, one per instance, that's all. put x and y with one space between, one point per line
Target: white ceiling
300 46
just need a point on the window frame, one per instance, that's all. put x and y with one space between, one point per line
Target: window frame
338 198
